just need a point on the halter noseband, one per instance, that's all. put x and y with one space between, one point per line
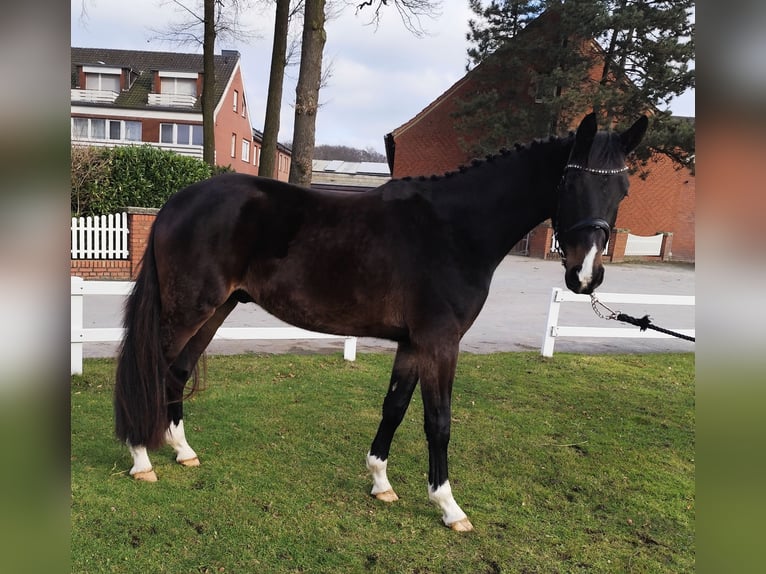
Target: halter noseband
592 222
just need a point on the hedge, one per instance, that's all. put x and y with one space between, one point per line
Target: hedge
106 180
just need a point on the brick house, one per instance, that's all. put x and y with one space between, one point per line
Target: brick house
136 97
663 202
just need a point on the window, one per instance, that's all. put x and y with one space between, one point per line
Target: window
256 155
196 135
244 105
132 131
102 82
181 134
97 129
245 150
115 129
236 101
166 133
179 86
79 128
233 145
102 129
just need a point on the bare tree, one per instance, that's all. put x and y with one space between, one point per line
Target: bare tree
310 77
411 12
279 60
218 18
307 92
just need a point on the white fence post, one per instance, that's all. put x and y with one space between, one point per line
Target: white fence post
349 349
558 296
77 322
551 324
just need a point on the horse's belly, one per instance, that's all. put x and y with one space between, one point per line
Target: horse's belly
341 312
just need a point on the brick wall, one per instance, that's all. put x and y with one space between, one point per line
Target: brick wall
140 222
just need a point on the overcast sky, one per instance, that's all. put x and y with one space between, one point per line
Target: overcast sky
379 78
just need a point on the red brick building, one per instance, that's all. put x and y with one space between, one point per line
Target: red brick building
136 97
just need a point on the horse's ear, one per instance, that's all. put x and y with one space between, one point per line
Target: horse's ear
631 137
586 131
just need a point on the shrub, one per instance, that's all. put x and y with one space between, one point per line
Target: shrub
106 180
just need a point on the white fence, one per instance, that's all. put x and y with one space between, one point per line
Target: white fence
644 245
558 296
81 335
100 237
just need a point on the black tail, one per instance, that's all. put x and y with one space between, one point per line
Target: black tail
140 400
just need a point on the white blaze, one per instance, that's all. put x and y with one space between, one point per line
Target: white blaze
586 271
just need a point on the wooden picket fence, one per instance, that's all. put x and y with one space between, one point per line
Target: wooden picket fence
100 237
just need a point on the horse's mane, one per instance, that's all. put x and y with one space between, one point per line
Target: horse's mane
502 153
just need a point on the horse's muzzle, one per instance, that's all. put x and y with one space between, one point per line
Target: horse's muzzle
586 282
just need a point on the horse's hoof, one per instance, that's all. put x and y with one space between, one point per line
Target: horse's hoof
146 476
190 462
463 525
387 496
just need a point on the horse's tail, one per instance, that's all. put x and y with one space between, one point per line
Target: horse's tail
140 401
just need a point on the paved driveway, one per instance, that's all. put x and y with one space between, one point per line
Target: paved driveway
513 318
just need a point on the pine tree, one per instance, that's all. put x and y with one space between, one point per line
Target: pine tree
539 66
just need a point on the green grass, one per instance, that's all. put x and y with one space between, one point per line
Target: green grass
570 464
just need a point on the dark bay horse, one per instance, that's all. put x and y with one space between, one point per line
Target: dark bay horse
410 261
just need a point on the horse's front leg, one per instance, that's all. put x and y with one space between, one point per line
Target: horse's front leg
404 377
436 387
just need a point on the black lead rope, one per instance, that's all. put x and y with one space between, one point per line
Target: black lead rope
643 323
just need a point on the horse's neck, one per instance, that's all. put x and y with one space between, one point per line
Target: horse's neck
494 204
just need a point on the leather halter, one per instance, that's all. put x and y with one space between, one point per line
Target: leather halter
591 222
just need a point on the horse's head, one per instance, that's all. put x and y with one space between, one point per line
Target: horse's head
595 180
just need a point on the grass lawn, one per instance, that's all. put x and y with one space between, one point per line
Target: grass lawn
570 464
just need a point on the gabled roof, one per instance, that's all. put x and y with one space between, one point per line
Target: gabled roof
144 63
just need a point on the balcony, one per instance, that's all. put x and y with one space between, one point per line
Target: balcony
95 96
172 100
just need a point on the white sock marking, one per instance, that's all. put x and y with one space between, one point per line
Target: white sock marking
176 438
377 468
443 498
141 462
586 271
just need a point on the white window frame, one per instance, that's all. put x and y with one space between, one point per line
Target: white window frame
245 150
167 80
233 145
100 73
107 130
235 101
188 142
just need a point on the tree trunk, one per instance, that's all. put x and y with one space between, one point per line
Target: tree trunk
307 92
208 84
268 165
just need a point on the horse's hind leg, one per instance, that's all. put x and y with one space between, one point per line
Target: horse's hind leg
180 372
404 378
184 352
